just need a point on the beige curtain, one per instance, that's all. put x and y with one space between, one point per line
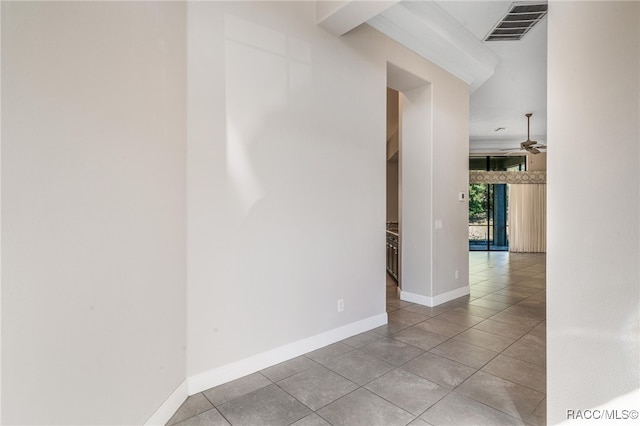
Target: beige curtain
528 218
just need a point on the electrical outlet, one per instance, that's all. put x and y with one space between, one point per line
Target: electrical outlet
457 274
340 305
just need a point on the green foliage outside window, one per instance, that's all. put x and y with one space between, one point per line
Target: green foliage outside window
477 202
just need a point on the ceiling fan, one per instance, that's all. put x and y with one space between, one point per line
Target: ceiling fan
529 145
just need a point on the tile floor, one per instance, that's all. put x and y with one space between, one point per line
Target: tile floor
477 360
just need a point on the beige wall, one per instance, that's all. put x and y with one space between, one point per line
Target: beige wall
594 209
93 210
274 233
537 161
104 194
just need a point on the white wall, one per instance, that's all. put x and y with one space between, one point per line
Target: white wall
593 207
286 178
283 125
93 210
450 177
416 189
433 171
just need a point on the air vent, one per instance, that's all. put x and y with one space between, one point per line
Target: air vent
518 21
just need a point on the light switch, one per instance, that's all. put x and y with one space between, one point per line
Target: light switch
462 196
438 224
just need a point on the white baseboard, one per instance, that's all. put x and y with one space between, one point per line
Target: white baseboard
235 370
436 300
169 407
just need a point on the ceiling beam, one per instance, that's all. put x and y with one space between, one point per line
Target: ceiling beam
340 17
428 30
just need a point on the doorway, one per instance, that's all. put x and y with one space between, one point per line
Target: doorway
410 182
489 204
488 207
393 186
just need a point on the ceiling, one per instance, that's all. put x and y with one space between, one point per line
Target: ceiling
518 85
507 78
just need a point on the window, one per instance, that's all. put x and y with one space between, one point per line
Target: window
488 203
513 163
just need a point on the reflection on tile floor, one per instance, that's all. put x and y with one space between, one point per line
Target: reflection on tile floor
477 360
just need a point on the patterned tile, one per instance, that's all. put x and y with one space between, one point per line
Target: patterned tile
456 409
419 338
210 417
491 304
330 352
512 331
465 353
460 317
311 420
267 406
390 328
426 310
444 328
408 391
288 368
477 311
364 408
484 339
359 367
406 317
361 339
539 416
516 319
237 388
534 354
317 387
439 370
194 405
508 397
518 371
392 351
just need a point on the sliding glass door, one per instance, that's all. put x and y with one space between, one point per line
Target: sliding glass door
489 204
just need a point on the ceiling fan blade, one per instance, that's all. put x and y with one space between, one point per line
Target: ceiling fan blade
533 150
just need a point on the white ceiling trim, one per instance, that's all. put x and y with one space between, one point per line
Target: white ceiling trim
428 30
340 17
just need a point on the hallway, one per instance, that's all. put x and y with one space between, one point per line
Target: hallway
477 360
